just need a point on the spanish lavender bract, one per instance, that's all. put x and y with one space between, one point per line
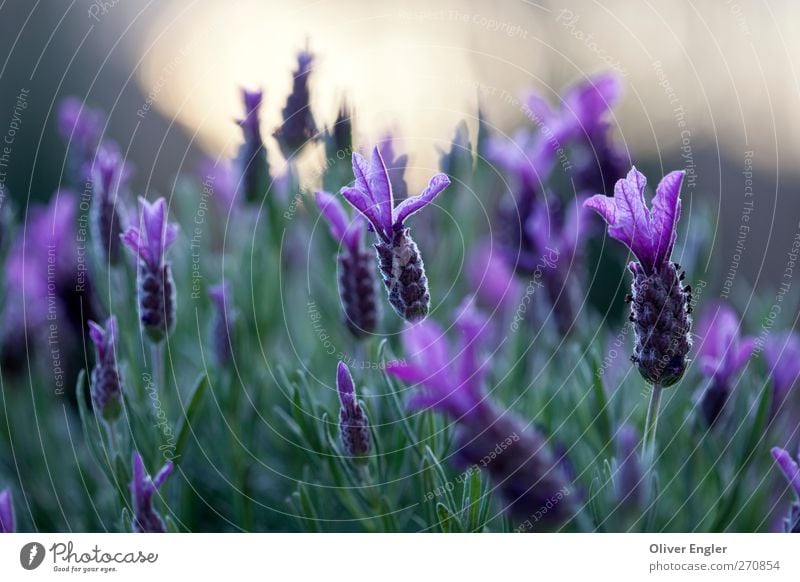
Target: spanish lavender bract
400 262
251 162
81 127
526 472
106 381
353 423
357 284
7 523
156 292
721 355
109 174
660 303
221 325
145 518
782 356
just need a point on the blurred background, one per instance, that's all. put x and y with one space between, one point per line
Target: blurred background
711 87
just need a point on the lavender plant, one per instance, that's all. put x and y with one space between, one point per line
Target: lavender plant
7 523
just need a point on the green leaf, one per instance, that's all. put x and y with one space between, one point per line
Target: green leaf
447 519
195 400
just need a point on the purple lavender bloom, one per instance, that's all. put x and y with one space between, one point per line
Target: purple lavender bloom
221 326
357 284
109 176
7 523
451 377
219 177
660 304
400 262
353 423
156 293
81 127
782 356
791 471
298 126
251 162
106 379
145 518
582 121
721 355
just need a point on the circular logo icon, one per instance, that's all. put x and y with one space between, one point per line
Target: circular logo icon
31 555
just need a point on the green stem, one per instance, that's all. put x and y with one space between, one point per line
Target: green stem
650 424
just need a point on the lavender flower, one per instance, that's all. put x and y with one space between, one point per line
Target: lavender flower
7 523
106 380
221 326
145 518
251 161
219 178
782 356
721 355
582 122
353 423
400 261
791 471
660 304
298 126
109 174
156 292
357 284
451 377
81 127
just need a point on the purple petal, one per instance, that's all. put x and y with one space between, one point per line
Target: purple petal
162 475
381 187
344 381
132 239
361 171
333 213
97 335
604 206
425 342
7 524
788 467
408 373
411 205
361 202
632 219
590 101
666 212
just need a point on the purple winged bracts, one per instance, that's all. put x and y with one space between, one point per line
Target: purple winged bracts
145 518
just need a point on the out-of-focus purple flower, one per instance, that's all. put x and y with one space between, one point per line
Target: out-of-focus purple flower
156 293
629 479
491 279
524 157
7 523
109 176
81 127
782 356
219 179
582 121
791 471
400 262
395 166
145 518
353 423
721 355
221 337
106 379
660 304
526 472
298 126
251 162
357 284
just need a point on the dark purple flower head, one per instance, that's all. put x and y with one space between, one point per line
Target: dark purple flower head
353 423
156 293
145 518
106 381
357 283
154 236
7 524
782 356
372 195
298 126
221 326
791 470
649 234
660 303
251 161
109 176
